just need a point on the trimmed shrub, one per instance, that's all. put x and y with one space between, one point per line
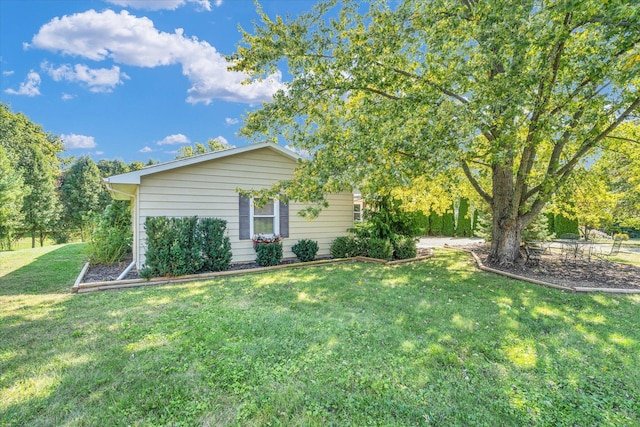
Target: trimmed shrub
340 246
305 250
463 229
180 246
216 247
380 249
448 224
621 236
474 226
268 254
348 246
435 224
146 273
563 225
550 223
404 247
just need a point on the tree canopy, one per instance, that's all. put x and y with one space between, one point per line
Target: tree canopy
82 193
513 96
33 153
213 144
11 195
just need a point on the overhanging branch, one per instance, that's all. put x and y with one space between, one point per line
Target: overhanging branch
623 139
474 182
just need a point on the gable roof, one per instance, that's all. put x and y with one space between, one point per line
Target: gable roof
134 177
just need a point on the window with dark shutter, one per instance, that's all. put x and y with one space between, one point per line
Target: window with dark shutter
273 218
245 217
284 219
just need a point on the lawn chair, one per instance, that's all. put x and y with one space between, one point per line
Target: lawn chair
534 251
615 250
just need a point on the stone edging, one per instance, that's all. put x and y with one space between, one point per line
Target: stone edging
482 267
81 288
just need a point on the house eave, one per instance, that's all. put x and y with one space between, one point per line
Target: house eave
134 177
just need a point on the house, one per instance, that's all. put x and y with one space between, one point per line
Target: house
206 185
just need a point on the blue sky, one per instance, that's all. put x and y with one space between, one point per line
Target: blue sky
131 79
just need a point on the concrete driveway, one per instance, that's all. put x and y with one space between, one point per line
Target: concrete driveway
439 242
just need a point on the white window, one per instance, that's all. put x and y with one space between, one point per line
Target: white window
265 219
357 212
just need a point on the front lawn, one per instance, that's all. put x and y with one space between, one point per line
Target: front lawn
434 342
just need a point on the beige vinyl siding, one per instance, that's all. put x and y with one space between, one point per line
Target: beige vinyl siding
208 189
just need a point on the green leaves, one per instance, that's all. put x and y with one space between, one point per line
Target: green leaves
82 193
385 93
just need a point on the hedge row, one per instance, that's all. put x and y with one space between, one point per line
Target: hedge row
400 247
180 246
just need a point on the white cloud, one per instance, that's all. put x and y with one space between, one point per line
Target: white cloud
29 87
8 73
146 149
231 121
99 153
177 138
130 40
302 153
73 141
67 97
98 80
163 4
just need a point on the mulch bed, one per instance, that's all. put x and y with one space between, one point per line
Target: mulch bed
574 273
110 272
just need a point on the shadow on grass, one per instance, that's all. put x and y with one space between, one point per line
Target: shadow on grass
51 269
419 344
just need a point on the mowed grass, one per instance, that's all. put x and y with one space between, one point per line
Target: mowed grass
428 343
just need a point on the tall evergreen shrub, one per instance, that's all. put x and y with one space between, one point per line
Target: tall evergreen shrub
435 224
448 224
463 227
180 246
564 225
216 247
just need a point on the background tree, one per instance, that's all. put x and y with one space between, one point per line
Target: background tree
82 194
11 195
213 144
137 165
620 165
41 205
384 92
33 154
588 200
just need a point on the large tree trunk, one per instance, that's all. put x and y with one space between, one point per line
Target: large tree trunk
507 227
505 243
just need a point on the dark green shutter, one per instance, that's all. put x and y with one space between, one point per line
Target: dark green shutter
284 219
245 217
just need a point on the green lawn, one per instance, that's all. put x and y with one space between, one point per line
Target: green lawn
429 343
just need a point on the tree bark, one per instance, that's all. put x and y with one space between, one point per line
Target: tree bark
507 228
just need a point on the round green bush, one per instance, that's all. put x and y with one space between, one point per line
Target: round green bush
404 248
380 249
305 250
268 254
340 246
